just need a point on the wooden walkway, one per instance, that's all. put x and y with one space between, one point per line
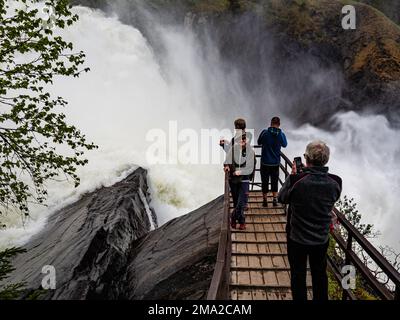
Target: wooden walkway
253 264
259 264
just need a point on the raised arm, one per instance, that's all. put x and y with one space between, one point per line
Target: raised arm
283 140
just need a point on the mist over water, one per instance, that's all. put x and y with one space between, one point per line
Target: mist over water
132 89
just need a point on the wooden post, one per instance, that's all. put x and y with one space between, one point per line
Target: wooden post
349 245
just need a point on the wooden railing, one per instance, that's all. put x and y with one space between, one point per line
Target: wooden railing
219 288
356 239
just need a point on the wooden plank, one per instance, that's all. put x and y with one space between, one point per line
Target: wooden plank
266 220
257 254
243 277
233 261
271 237
252 248
268 227
274 247
242 261
266 262
250 236
278 261
249 228
281 236
256 278
261 237
272 295
262 248
278 227
239 236
283 278
259 294
286 261
234 277
263 214
286 295
237 231
254 262
259 268
244 295
234 294
270 278
241 248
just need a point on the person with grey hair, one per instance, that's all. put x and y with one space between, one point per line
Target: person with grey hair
311 195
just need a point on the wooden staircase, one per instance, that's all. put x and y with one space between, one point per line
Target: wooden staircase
259 267
253 264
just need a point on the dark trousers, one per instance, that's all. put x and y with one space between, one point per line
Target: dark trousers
240 195
298 254
268 172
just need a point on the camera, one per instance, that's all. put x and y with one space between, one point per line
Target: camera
299 164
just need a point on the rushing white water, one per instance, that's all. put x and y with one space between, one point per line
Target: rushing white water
127 93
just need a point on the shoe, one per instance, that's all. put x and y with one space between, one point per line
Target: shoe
242 226
265 200
275 202
233 225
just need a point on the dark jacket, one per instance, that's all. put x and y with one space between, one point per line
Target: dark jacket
311 196
271 140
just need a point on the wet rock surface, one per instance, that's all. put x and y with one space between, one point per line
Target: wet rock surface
102 247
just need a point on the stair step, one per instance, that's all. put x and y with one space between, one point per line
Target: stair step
258 254
255 231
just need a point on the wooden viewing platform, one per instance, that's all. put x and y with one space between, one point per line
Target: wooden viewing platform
259 267
252 264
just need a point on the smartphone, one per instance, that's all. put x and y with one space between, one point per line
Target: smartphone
298 164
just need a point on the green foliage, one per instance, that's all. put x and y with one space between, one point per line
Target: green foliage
11 291
32 125
349 208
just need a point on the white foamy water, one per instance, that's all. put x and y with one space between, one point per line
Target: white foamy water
127 93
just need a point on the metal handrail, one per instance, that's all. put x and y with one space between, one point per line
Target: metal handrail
219 287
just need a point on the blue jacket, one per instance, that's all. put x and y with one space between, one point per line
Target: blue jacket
271 140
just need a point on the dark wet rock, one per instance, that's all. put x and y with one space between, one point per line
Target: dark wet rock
89 241
102 248
177 260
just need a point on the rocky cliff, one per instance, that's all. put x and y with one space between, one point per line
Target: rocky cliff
102 247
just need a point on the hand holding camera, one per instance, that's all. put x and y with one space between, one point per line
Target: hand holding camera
297 166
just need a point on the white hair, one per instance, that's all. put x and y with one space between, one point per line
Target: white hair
317 153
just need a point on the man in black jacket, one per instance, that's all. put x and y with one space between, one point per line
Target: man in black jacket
311 195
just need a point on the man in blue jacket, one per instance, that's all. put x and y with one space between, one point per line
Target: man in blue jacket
271 140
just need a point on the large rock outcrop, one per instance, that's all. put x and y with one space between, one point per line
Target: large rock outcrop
177 260
102 248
